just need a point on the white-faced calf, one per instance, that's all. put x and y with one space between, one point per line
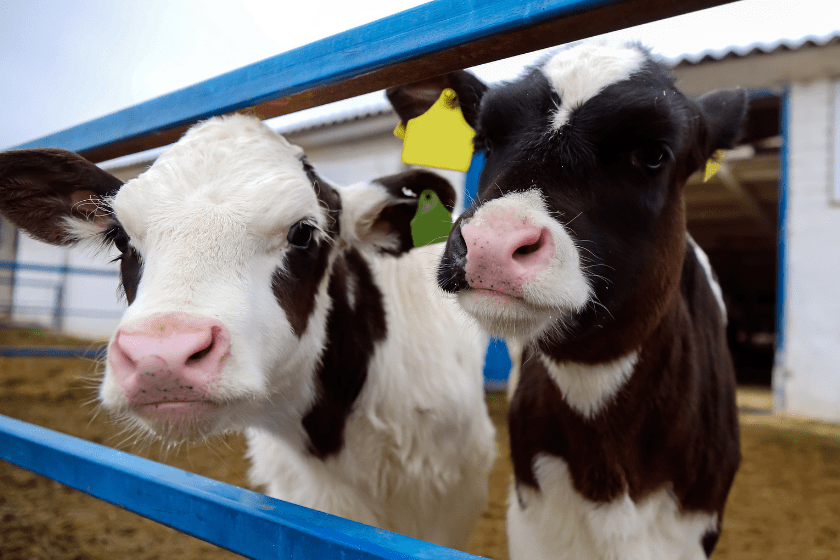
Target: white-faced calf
261 297
624 434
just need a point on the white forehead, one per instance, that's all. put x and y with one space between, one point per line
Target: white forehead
235 166
578 73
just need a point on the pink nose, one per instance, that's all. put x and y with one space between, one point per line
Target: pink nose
505 252
170 366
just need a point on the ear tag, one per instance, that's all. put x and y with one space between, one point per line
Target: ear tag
432 222
712 165
399 132
440 137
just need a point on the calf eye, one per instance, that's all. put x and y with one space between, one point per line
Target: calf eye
653 156
300 235
118 237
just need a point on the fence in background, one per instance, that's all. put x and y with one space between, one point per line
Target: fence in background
426 41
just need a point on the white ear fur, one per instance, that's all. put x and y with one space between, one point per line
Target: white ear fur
85 231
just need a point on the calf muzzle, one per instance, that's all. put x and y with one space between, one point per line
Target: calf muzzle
170 366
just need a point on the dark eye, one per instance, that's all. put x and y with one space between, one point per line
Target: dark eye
300 235
118 237
653 155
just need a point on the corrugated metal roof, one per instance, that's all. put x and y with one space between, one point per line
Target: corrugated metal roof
756 48
347 110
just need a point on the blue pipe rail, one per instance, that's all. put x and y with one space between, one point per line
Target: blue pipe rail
96 353
14 265
239 520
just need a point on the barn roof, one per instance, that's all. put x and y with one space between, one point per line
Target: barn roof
783 44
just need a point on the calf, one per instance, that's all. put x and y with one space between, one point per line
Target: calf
623 428
261 297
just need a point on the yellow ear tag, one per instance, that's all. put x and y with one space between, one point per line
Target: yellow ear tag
440 137
399 132
712 165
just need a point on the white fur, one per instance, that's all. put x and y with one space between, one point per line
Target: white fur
707 268
580 72
558 523
210 219
417 455
561 288
588 388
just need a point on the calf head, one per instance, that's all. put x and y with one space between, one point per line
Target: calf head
578 228
240 267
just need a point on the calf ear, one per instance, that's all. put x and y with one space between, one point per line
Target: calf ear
42 190
412 100
724 114
383 220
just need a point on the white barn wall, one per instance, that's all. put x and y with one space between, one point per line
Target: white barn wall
96 295
8 250
807 376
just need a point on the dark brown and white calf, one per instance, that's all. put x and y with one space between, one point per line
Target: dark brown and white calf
623 428
261 297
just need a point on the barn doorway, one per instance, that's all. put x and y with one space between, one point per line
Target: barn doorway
734 217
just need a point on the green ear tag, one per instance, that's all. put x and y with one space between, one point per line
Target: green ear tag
440 137
432 222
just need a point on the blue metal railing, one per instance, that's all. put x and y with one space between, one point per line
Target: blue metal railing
14 265
239 520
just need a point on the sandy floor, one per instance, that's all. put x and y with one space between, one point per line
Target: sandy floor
785 503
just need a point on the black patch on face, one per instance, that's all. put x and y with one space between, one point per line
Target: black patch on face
351 335
296 283
328 198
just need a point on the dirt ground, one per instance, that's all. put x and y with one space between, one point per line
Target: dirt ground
785 503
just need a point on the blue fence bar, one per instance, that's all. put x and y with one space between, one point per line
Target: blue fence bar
239 520
14 265
52 352
428 40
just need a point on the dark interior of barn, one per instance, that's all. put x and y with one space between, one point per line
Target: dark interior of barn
734 217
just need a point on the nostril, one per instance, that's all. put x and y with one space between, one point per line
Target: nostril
530 245
528 249
198 356
123 352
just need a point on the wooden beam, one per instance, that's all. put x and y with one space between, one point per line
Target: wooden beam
725 176
419 43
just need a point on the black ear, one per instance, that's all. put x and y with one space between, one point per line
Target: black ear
384 221
40 189
407 185
724 114
412 100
